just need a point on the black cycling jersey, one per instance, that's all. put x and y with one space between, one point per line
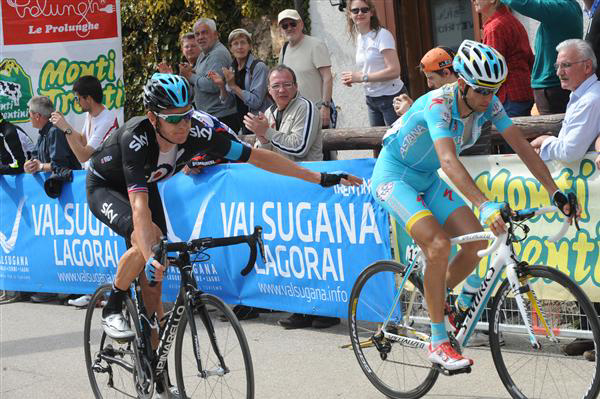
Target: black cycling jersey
130 157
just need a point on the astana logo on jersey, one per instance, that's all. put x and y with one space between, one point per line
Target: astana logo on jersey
411 138
8 244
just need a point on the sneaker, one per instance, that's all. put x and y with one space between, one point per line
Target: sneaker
80 302
43 297
296 320
577 347
171 393
590 355
325 322
445 356
116 327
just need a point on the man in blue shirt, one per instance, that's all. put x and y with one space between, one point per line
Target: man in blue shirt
406 183
576 66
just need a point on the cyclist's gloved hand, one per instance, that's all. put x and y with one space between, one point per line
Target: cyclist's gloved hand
154 271
488 211
333 178
560 199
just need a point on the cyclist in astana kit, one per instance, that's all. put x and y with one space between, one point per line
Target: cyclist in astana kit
122 183
405 180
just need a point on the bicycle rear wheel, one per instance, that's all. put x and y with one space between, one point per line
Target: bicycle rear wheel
109 363
237 380
545 372
397 370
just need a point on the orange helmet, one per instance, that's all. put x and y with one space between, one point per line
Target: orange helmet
437 58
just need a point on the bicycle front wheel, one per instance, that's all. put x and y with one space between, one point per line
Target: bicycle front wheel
559 312
110 363
397 369
226 364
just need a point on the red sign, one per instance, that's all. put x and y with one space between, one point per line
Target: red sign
50 21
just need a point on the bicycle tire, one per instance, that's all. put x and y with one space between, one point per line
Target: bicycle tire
96 342
367 309
238 382
519 366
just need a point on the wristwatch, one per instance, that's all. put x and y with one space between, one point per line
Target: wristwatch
320 104
68 131
365 77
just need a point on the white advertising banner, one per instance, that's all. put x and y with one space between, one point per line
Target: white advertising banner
47 45
506 178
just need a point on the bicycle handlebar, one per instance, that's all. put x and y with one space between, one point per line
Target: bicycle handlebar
521 215
253 240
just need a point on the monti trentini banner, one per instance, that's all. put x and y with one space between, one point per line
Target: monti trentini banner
317 240
505 178
47 45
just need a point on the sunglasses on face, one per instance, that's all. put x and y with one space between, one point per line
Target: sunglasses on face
176 118
483 91
363 10
286 25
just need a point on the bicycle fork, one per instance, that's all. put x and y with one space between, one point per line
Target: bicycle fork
192 303
520 287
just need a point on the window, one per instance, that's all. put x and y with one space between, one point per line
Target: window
452 22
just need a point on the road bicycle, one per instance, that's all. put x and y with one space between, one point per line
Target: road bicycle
535 310
213 362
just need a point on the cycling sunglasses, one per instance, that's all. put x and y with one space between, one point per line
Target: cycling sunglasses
176 118
483 91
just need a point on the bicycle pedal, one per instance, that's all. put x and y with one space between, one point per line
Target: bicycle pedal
446 372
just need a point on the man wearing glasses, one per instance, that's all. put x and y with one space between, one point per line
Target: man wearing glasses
291 126
310 60
575 66
405 181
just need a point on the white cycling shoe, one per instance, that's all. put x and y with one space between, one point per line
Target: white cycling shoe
116 327
171 393
445 356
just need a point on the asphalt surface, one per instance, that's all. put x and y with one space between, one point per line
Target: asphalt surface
41 356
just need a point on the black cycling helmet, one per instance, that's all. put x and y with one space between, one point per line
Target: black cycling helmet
166 91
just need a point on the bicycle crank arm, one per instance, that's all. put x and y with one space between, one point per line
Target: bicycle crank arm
118 362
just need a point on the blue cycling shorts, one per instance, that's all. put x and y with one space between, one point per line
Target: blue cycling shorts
410 195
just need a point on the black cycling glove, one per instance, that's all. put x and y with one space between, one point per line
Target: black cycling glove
333 178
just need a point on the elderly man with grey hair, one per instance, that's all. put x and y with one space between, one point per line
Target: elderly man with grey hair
576 68
215 56
52 146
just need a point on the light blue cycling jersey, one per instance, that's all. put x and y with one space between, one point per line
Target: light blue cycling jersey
434 116
405 179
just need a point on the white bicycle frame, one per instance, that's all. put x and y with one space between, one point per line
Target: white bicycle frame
503 258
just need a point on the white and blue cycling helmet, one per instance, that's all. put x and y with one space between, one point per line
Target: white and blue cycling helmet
480 65
166 91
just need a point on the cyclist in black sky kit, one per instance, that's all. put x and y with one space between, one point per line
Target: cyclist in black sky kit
122 184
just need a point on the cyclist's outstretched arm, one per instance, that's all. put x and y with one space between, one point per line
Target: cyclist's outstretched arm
534 163
275 163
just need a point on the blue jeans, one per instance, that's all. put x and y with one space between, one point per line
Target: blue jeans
517 108
381 109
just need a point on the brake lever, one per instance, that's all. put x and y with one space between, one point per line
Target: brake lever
260 242
573 205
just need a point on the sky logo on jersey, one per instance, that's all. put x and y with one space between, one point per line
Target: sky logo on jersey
138 142
108 211
205 132
8 244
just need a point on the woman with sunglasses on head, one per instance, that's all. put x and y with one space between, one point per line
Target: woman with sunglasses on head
406 183
245 83
377 63
122 178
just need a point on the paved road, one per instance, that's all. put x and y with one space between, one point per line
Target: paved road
41 356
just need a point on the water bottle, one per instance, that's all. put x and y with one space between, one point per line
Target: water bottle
469 289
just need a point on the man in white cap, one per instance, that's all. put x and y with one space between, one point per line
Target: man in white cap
310 60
